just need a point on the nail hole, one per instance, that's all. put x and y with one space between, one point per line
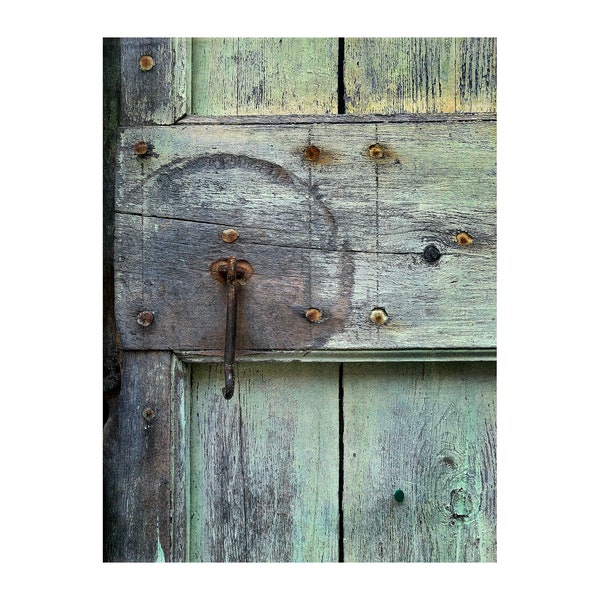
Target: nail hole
378 316
148 414
463 239
376 151
314 315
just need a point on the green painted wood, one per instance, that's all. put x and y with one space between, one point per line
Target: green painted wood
159 95
264 465
345 234
420 75
180 402
477 67
256 478
249 76
429 430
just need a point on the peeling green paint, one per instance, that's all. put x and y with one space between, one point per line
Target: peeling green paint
160 554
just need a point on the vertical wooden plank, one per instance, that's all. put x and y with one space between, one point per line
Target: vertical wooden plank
429 430
111 85
259 76
420 75
476 67
264 465
137 462
155 80
396 75
180 471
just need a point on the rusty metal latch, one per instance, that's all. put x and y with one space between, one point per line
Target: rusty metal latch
233 273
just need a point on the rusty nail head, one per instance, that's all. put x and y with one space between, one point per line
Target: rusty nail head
464 239
378 316
312 153
376 151
148 414
229 235
145 318
146 62
314 315
140 148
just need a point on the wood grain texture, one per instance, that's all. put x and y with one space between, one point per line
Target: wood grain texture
257 478
476 66
372 355
111 86
180 459
137 463
160 95
430 431
420 75
344 234
346 119
264 465
249 76
146 462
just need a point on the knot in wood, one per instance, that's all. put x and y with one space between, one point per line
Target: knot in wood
431 253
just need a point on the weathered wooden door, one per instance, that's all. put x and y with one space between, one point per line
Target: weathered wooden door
359 177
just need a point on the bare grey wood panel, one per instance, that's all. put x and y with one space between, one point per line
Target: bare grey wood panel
264 465
430 431
344 233
137 463
155 80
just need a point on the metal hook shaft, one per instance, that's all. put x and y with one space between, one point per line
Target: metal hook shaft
233 273
230 327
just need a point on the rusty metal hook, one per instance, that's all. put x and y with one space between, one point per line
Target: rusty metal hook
230 327
234 273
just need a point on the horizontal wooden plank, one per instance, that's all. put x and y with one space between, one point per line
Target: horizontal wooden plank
344 233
